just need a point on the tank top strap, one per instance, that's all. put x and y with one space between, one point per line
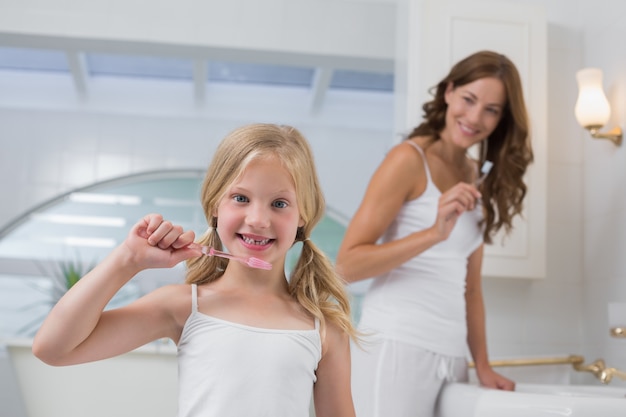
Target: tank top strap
317 323
421 152
194 298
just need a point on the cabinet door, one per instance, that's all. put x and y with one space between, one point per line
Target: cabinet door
434 34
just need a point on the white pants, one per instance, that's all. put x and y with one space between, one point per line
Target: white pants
394 379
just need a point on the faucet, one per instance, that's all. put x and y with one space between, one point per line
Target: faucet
600 371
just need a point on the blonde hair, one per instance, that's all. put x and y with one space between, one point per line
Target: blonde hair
314 282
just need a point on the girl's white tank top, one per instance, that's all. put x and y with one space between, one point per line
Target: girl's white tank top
230 369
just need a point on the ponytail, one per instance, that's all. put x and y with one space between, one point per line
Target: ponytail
319 289
207 268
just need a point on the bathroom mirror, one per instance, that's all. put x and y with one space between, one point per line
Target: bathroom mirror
83 225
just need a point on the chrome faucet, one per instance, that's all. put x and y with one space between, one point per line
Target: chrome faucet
600 371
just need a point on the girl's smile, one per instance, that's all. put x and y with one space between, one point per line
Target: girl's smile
254 242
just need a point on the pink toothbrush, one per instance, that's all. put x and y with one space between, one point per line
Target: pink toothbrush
251 262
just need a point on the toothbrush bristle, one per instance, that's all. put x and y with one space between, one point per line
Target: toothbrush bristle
486 167
259 263
251 262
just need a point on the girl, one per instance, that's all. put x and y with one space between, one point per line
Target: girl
250 341
431 216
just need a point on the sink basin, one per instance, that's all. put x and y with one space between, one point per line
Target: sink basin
537 400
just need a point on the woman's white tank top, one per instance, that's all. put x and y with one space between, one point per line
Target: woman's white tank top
422 302
230 369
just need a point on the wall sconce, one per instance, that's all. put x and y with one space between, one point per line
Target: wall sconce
592 108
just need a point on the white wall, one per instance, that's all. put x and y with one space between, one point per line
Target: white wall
604 185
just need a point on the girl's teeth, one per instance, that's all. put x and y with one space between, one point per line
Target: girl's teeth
255 242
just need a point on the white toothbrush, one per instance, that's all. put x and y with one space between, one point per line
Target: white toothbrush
484 170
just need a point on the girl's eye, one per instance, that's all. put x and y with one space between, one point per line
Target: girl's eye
280 204
240 198
468 100
493 111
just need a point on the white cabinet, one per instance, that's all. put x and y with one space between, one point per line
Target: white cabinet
434 34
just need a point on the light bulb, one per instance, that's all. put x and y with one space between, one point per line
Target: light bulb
592 107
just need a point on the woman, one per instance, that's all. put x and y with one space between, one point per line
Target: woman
420 231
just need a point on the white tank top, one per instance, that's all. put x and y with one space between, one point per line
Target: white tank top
234 370
422 302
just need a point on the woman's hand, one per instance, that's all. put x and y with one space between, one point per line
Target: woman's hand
491 379
454 202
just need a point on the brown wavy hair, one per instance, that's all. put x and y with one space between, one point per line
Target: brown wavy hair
314 282
508 146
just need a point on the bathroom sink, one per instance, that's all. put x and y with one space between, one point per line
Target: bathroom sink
573 390
535 400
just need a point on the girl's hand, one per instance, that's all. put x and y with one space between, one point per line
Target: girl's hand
157 243
454 202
